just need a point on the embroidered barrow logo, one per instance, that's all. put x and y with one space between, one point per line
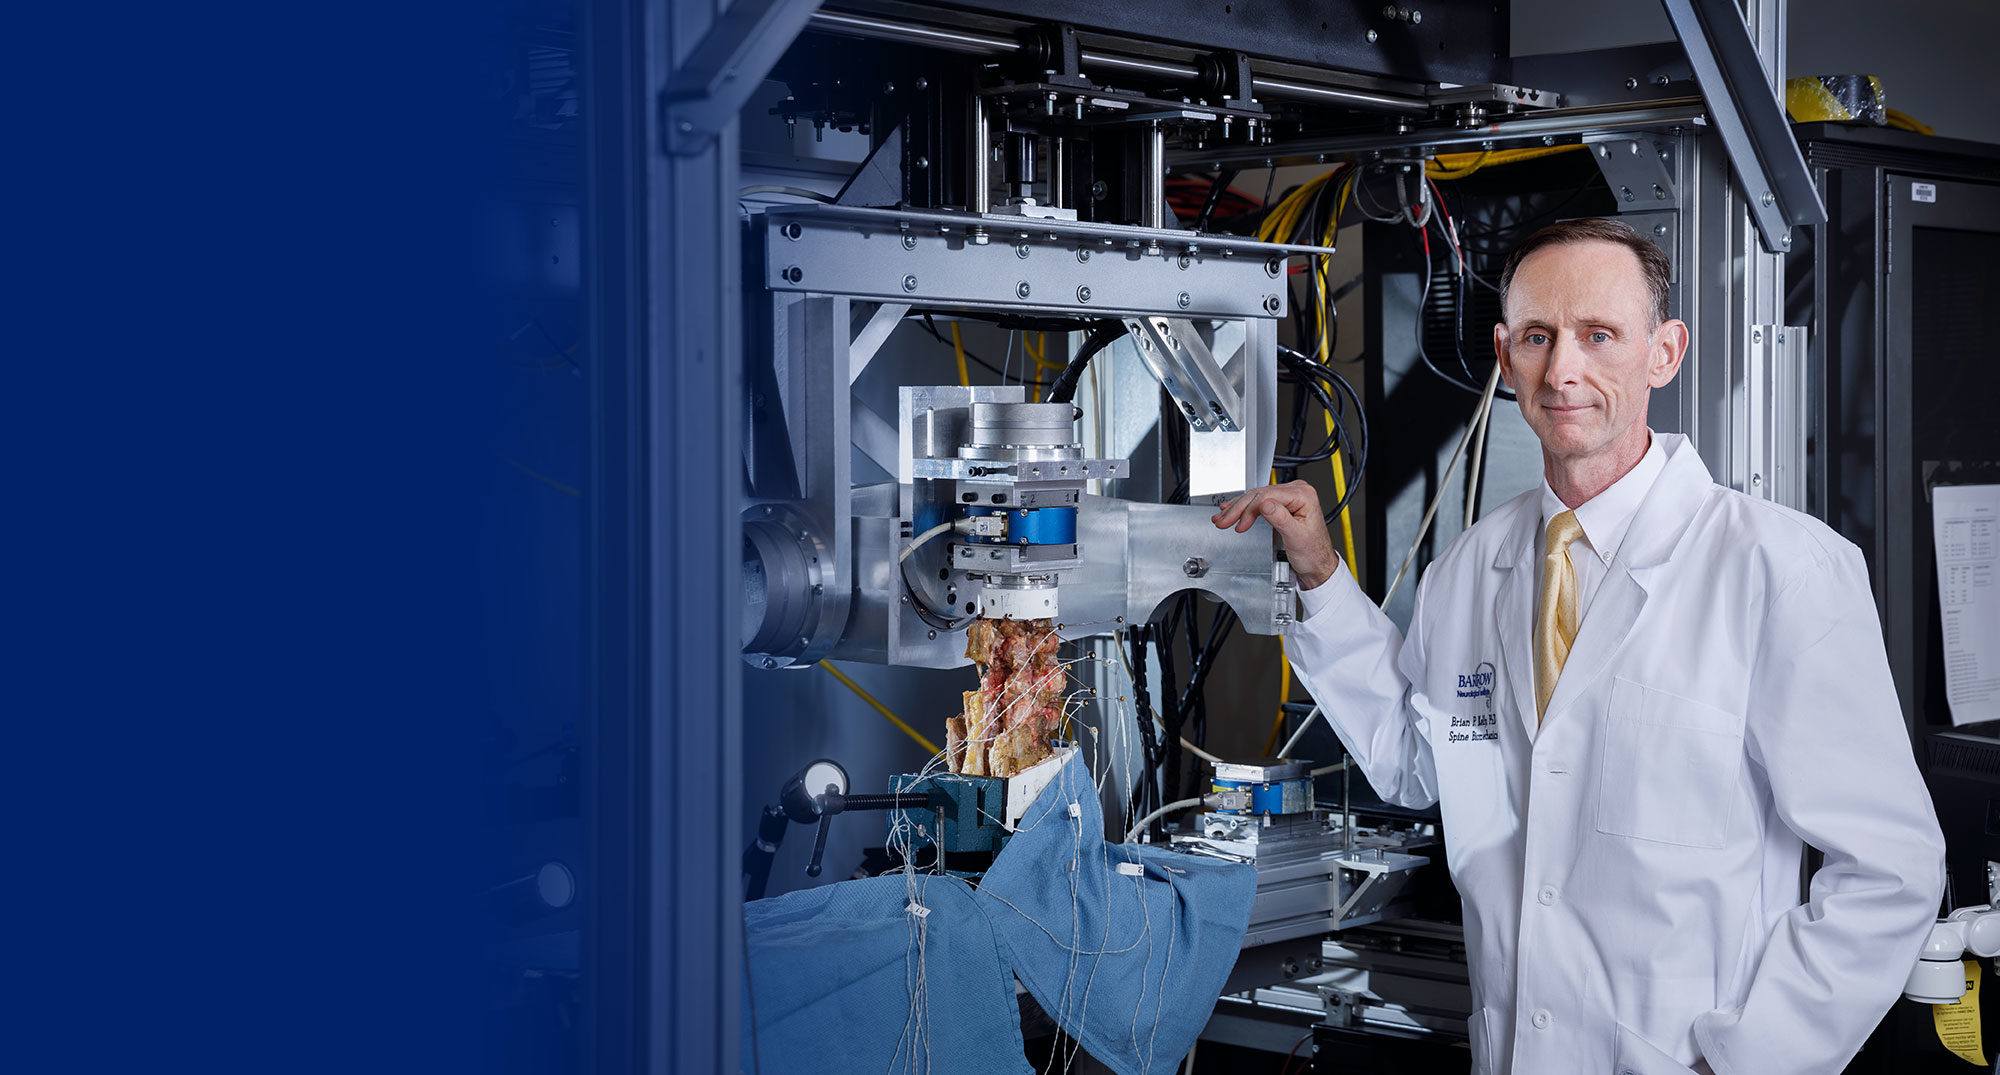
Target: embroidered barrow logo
1477 683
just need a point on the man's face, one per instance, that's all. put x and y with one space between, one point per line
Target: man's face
1580 349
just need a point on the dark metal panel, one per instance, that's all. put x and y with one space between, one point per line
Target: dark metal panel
1918 422
663 729
1462 41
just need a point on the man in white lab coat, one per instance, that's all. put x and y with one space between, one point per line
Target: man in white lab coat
1636 695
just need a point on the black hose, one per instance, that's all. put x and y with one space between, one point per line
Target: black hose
1143 704
1063 388
1222 180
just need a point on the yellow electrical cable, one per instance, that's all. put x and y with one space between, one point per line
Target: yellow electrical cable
958 346
878 706
1284 695
1460 165
1904 121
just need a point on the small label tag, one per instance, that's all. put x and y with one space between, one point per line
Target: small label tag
1075 810
1923 192
1131 869
918 909
1958 1022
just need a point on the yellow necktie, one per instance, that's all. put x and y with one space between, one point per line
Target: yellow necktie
1555 622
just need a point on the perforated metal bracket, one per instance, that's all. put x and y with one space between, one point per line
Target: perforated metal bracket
1173 350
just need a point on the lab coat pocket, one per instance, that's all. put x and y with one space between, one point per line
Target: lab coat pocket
1637 1056
1481 1039
1669 769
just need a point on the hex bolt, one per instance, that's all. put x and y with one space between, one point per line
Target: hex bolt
910 282
1022 289
1194 567
1183 299
1083 293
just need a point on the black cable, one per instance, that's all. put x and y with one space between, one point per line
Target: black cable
1172 715
1226 621
1356 454
1423 306
1222 180
1106 333
1142 701
1195 717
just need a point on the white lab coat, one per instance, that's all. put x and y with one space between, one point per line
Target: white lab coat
1630 873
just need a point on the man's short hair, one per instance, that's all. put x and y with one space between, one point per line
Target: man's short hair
1653 264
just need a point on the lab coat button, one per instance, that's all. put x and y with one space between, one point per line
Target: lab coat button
1547 895
1541 1019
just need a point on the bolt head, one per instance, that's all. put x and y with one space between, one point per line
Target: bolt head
909 241
1660 229
910 282
1022 289
1021 251
1083 254
1768 199
1372 35
1183 300
1083 293
1631 83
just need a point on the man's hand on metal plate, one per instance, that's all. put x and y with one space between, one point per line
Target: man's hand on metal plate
1293 511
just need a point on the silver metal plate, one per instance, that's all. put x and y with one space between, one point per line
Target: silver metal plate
957 259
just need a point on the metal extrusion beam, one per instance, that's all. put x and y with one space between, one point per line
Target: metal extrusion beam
945 259
877 323
974 43
1548 125
716 78
1744 108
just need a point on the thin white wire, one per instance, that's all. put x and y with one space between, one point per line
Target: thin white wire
1444 482
1478 462
921 538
